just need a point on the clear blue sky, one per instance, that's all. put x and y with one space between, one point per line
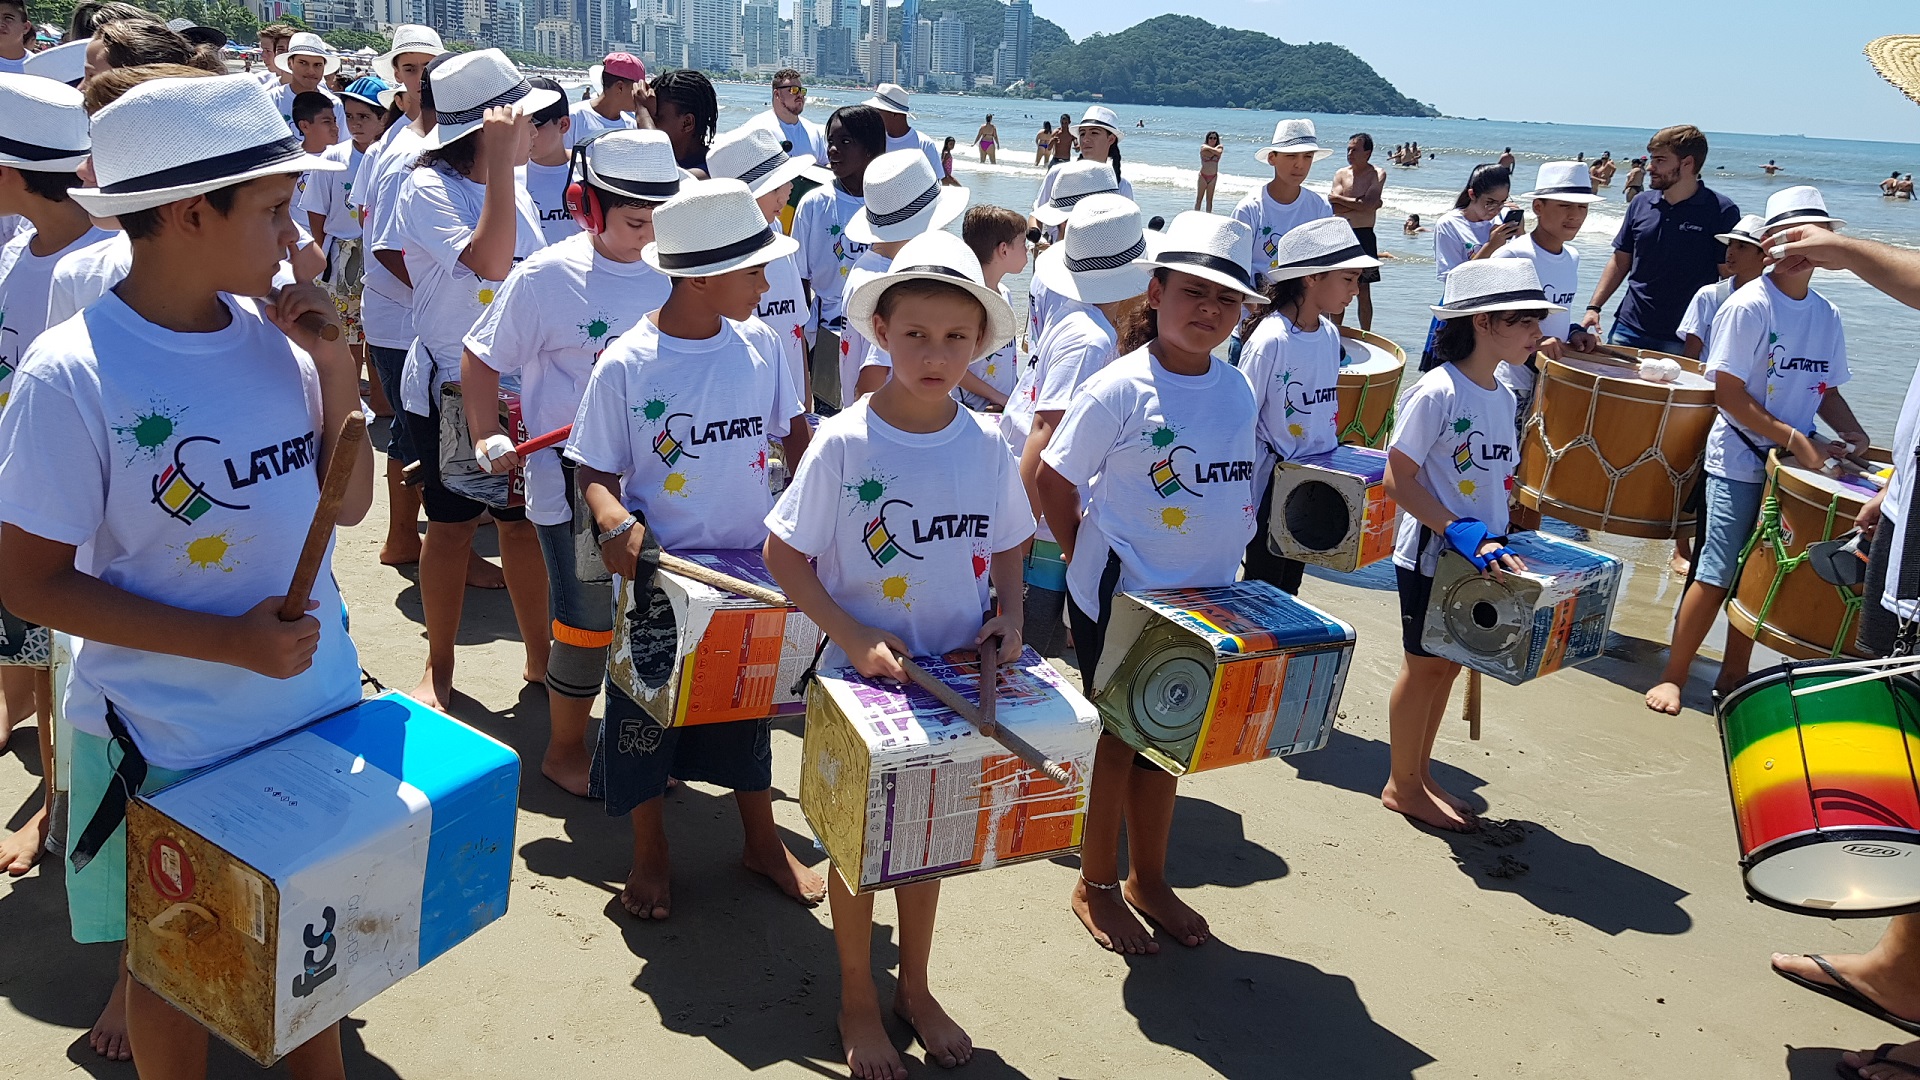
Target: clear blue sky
1762 66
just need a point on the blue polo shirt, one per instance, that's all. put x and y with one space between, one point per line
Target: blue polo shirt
1674 253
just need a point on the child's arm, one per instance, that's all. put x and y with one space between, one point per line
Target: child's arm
1058 500
1009 584
1039 435
489 253
479 382
793 445
339 388
317 225
1730 393
1839 416
870 649
1404 488
979 387
621 554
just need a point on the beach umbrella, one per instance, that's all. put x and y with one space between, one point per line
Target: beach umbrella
1897 59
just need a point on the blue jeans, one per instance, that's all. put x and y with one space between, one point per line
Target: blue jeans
582 605
1733 508
1634 339
386 366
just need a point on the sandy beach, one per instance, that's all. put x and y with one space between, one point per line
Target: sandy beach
1596 928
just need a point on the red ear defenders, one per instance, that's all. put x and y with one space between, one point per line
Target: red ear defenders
583 202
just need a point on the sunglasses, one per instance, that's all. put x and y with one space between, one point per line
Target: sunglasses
796 91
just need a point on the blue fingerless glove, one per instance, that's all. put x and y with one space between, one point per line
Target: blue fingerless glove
1465 537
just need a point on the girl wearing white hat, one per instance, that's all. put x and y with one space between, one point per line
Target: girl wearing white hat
1099 140
903 199
1160 448
856 135
1560 199
463 219
1449 467
877 474
1778 358
1292 361
1473 229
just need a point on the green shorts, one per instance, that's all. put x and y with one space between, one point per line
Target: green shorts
97 896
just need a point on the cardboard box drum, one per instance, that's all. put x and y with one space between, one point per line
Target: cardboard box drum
271 895
1332 509
1520 626
900 789
705 656
1198 679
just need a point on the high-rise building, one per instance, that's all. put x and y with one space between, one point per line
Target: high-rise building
713 34
805 27
760 34
922 57
554 36
833 51
1016 30
910 40
507 24
846 13
952 45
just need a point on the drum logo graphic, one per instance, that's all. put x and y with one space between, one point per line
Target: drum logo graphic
184 498
882 545
667 447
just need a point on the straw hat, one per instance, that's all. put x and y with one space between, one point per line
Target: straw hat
172 139
467 85
1493 285
410 38
1293 137
308 44
630 162
713 227
1100 260
1101 117
1897 59
370 89
1316 247
1750 229
889 97
753 155
43 124
1563 181
62 63
1799 205
904 199
1073 182
937 256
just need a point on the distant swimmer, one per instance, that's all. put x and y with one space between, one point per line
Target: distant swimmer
1413 226
1602 170
1043 143
1506 157
1636 179
1769 168
1904 189
1891 184
1210 151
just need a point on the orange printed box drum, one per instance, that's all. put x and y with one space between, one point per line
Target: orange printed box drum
900 789
1198 679
1333 510
705 656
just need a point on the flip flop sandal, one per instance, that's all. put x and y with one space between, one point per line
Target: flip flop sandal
1879 1058
1847 994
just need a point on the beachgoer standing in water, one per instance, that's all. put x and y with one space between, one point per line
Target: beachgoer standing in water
1770 168
1636 179
1891 184
1506 158
1043 143
1063 141
1210 152
1358 190
988 140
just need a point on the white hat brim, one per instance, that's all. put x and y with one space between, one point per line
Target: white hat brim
1093 286
887 107
1731 238
944 210
1153 260
1103 126
390 95
1048 214
65 164
1560 196
792 169
333 62
538 98
104 204
1320 153
782 246
819 174
1502 305
1820 219
862 303
1288 273
383 64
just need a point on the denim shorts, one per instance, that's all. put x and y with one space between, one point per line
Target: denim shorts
386 367
637 754
1633 339
97 895
1733 507
581 605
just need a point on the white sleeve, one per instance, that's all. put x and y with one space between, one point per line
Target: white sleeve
786 396
809 510
1695 321
430 225
1248 213
383 224
1738 340
803 215
1256 363
1418 426
1080 445
602 435
44 432
318 195
510 331
1067 368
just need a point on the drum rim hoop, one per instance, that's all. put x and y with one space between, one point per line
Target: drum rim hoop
1809 838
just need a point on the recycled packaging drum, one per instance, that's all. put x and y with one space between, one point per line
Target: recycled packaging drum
1824 796
1370 370
1611 451
1778 600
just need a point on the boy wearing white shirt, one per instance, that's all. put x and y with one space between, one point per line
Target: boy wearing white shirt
903 200
893 104
1777 358
621 76
1746 260
555 315
855 136
754 156
997 237
1561 199
550 166
672 439
1272 210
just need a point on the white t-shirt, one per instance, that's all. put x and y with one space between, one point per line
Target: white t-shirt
386 303
857 350
547 184
1698 321
26 281
998 369
587 123
1463 438
16 67
439 210
1559 279
173 491
826 255
915 139
903 526
1899 500
85 274
1166 463
1788 352
330 194
1046 187
806 136
283 97
686 425
1295 376
1079 345
783 307
556 313
1455 239
1269 221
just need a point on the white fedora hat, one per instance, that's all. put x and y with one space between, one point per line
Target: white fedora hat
1801 205
713 227
308 44
62 63
890 97
1315 247
937 256
1210 247
467 85
1293 137
172 139
1101 258
1072 182
1563 181
1750 229
1101 117
1493 285
43 124
753 155
904 199
409 38
631 162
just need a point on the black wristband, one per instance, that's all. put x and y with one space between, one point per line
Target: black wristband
1595 307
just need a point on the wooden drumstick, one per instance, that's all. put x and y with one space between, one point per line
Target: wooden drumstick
333 488
313 322
989 683
706 575
951 698
1471 708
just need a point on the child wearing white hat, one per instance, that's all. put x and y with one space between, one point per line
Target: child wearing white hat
1098 136
894 106
1159 448
1278 206
671 440
1560 199
1778 357
555 315
169 552
856 135
1746 260
1070 183
911 455
904 198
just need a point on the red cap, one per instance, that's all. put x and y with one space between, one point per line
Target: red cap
622 65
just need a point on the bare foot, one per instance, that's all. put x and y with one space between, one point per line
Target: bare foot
433 693
568 773
1423 808
1883 987
19 852
870 1052
1110 921
400 553
648 894
947 1043
109 1035
482 574
1158 902
1889 1062
794 877
1665 698
1679 565
1458 804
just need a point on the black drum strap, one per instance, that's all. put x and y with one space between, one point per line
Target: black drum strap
128 774
1907 585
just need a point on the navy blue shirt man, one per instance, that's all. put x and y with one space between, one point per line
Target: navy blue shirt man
1665 250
